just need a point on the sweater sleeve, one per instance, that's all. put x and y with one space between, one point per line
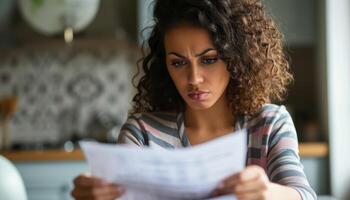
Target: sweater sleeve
284 166
131 132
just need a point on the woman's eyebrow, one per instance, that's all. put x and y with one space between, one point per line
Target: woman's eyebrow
176 54
197 55
205 51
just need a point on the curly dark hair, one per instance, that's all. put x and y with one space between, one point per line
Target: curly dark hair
247 40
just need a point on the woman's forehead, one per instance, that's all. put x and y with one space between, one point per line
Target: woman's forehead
187 37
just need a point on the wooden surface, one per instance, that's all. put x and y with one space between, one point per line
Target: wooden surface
313 149
306 150
45 155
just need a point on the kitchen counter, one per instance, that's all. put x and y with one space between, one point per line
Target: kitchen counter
306 150
43 155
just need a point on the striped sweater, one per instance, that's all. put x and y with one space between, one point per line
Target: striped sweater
272 142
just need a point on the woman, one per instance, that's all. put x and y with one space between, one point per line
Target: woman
215 66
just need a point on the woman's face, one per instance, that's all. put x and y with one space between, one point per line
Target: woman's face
193 63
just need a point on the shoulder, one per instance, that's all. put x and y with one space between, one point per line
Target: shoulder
274 127
272 111
270 114
270 121
271 131
154 119
139 126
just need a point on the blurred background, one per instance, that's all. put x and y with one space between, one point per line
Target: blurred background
65 75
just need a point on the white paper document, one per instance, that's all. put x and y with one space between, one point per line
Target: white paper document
183 173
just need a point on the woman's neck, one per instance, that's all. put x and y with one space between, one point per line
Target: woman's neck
215 119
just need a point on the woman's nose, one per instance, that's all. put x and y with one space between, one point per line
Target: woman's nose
195 76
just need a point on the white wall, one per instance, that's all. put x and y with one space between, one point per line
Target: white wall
338 75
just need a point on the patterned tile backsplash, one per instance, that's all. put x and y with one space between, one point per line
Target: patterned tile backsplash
63 92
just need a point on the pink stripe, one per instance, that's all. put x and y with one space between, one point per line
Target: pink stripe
264 130
287 143
264 151
293 179
263 163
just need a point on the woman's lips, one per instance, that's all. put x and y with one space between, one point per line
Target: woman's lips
198 96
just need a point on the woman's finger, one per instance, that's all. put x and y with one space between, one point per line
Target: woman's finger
260 195
98 192
252 186
251 179
86 180
247 187
249 173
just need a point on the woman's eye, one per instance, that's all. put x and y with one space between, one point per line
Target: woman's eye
178 63
208 61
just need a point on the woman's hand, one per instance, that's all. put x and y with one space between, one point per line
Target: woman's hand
253 184
89 187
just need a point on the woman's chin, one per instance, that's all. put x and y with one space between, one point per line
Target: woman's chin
199 105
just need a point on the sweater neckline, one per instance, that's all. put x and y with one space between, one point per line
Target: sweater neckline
239 125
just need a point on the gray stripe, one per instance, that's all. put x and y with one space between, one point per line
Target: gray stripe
269 121
254 152
184 140
139 136
262 122
180 125
281 163
283 154
156 125
158 141
286 173
275 138
134 131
